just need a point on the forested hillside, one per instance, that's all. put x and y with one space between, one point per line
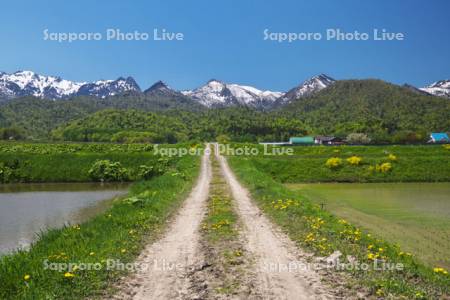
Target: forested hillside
239 124
386 112
375 107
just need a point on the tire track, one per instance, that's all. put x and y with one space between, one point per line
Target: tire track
166 266
273 250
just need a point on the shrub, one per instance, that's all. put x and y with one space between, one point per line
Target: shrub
358 138
5 173
223 139
105 170
147 172
334 162
354 160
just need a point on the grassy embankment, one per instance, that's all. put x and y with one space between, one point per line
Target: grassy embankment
414 215
118 234
224 251
27 162
323 233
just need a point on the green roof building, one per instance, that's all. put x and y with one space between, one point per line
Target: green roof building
304 140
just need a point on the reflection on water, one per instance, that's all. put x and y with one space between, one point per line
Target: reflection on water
27 209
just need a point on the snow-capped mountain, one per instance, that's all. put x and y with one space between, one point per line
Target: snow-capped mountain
307 88
217 93
440 88
28 83
106 88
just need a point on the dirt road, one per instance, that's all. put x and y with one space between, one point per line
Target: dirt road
165 265
170 263
274 252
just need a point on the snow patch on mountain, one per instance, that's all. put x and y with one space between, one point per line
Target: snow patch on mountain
28 83
440 88
307 88
108 88
218 93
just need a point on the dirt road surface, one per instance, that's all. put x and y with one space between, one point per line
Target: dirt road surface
274 252
166 264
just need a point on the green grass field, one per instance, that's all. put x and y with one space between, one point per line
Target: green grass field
413 164
414 215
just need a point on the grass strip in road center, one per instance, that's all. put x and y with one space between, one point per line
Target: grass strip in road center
224 252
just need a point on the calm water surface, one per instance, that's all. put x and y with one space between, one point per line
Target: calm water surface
27 209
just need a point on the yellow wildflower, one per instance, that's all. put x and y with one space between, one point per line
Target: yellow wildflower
69 275
354 160
392 157
26 277
371 256
333 162
440 270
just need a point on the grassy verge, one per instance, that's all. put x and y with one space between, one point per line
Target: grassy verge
67 167
414 215
118 234
225 253
323 233
407 164
71 162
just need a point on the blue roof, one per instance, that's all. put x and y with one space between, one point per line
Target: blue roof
439 136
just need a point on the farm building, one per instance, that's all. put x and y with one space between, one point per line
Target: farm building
304 140
327 140
439 137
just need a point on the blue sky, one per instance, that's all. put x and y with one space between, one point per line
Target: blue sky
224 40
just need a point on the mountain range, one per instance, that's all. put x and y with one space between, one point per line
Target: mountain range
214 93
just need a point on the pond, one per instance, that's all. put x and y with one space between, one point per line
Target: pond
414 215
28 209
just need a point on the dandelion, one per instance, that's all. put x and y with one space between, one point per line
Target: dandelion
371 256
26 277
370 247
91 253
69 275
123 251
440 271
